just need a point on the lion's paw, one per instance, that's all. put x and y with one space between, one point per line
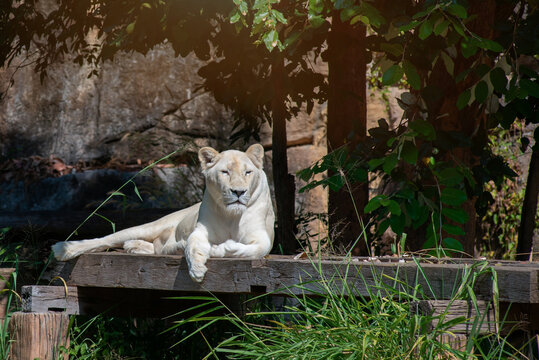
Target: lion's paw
197 272
138 247
218 251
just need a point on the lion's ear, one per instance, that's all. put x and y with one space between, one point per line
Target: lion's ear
207 157
256 154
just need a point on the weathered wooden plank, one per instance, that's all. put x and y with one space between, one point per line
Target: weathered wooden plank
38 336
282 275
73 300
478 320
42 299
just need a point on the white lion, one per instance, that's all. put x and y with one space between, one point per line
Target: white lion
234 219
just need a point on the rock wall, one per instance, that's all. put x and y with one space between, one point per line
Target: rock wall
139 109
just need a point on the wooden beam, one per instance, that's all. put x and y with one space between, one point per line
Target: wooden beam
281 275
72 300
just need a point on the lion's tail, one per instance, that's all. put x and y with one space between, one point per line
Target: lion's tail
66 250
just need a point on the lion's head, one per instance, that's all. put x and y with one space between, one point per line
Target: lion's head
233 177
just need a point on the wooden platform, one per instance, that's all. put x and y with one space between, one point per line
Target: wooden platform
517 282
116 283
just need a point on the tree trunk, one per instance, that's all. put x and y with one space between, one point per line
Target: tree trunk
529 210
442 94
347 119
285 240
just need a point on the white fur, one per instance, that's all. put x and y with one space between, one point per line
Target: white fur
234 219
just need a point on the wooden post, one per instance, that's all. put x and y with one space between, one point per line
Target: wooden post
347 116
38 335
4 278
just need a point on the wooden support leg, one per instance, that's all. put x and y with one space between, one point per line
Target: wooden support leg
4 278
38 335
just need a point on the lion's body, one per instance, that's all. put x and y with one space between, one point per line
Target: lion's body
234 219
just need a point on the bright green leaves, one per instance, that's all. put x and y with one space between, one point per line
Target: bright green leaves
392 75
271 39
265 21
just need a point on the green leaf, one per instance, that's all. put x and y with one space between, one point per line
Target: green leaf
129 28
316 21
425 30
448 62
441 27
458 215
390 163
481 92
373 204
463 99
450 177
452 196
394 207
358 175
468 48
397 223
453 230
374 163
424 128
531 87
279 16
409 26
453 244
393 49
235 18
457 10
335 182
409 152
498 79
411 75
271 39
490 45
375 17
392 75
316 6
348 13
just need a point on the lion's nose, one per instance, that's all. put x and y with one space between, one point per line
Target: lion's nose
238 192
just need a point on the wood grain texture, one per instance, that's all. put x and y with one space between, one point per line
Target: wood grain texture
517 282
475 320
38 335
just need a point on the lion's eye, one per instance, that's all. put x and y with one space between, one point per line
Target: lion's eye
248 172
225 172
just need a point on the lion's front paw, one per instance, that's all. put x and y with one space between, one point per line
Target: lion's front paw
218 251
231 247
197 272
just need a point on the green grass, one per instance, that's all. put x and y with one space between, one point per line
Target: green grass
334 325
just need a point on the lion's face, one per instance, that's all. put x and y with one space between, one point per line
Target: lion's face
232 177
